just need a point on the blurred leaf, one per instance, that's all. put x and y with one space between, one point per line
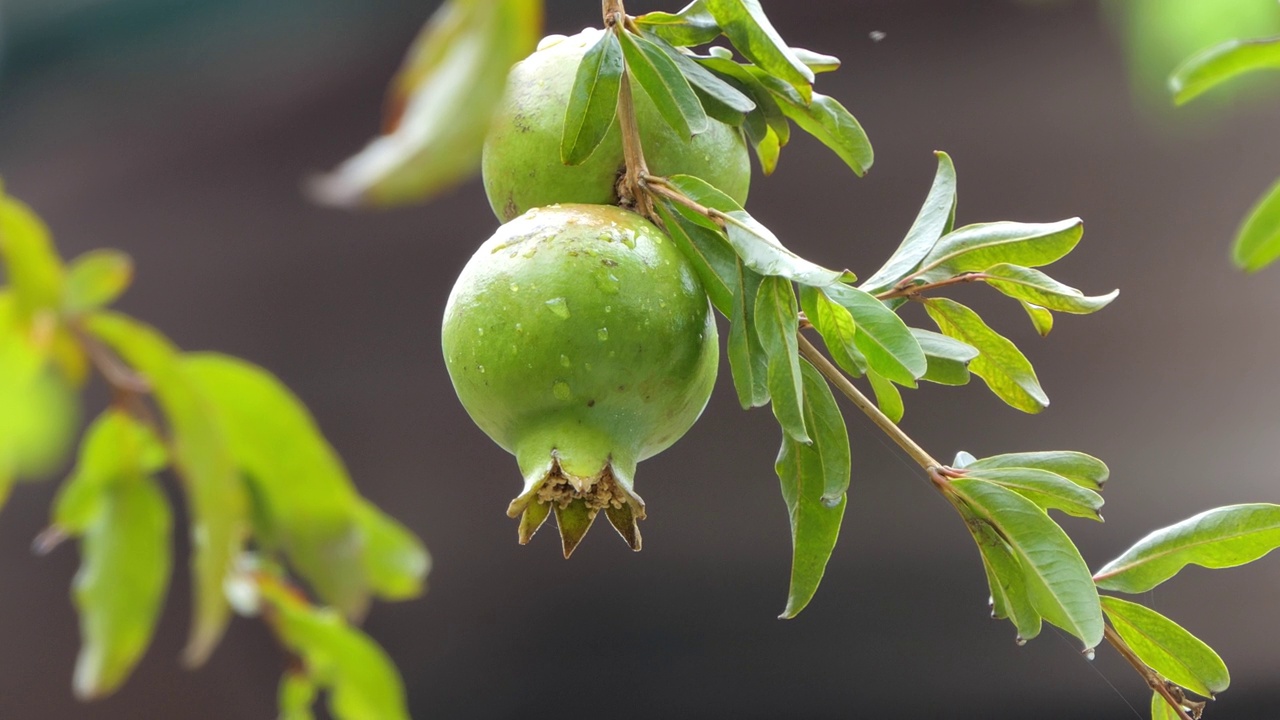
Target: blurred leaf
935 219
745 24
1083 470
1220 63
665 85
593 103
309 496
1005 577
1167 648
395 561
815 526
1220 538
1258 242
1035 287
1041 319
887 396
747 357
1047 490
439 105
38 410
884 339
116 448
95 279
816 62
777 321
826 426
948 359
693 25
835 324
202 456
30 261
974 248
361 680
1001 364
1057 579
296 696
710 253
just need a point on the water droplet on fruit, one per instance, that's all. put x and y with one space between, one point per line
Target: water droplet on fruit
608 308
608 283
559 307
564 360
515 287
480 368
480 331
629 238
603 334
519 328
561 390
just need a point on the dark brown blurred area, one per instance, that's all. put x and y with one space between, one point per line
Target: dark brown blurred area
183 138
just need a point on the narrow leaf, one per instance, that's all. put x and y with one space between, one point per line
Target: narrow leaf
1009 598
884 339
827 120
887 396
1035 287
830 435
761 250
767 115
934 219
714 91
115 448
1001 364
835 324
38 409
747 357
1046 489
31 263
660 78
777 321
817 62
1041 319
1258 242
1220 538
693 25
1084 470
296 696
1220 63
974 248
948 358
1167 648
96 279
748 28
1160 709
710 253
593 102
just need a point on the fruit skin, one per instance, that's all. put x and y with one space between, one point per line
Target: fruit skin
521 161
580 339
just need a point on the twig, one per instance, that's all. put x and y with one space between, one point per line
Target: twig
1152 678
905 289
631 185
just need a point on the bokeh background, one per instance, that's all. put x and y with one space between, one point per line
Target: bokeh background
180 131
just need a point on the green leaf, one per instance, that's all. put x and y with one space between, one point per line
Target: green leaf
1167 648
704 194
1047 490
816 62
116 448
963 460
1160 709
887 396
361 681
95 279
306 491
747 357
1035 287
1084 470
665 85
1005 577
1258 242
119 590
745 24
935 219
768 150
710 253
30 261
1220 538
439 105
827 120
830 435
767 115
814 524
884 339
777 321
593 102
948 358
836 326
215 496
1001 364
296 696
395 561
1220 63
693 25
721 99
1057 579
1041 319
38 410
974 248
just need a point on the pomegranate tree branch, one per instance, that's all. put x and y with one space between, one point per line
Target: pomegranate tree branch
1152 678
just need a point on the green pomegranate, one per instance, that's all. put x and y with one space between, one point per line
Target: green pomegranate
522 167
579 338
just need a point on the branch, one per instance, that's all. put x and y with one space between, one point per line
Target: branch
631 184
1153 679
905 288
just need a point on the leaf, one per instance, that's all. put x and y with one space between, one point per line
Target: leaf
777 321
745 24
974 248
830 435
1160 709
1041 319
116 448
1047 490
693 25
948 359
120 587
721 99
816 62
1001 365
887 396
935 218
747 357
1258 242
814 525
308 495
1084 470
665 85
768 150
202 456
836 326
1167 648
361 681
963 460
1035 287
884 339
1220 63
439 105
593 102
1057 579
95 279
767 115
296 696
1220 538
38 410
395 561
30 261
827 120
710 253
1005 578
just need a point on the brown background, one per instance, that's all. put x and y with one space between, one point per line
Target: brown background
180 133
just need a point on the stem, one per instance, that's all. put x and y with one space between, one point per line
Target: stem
905 289
631 184
1153 679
